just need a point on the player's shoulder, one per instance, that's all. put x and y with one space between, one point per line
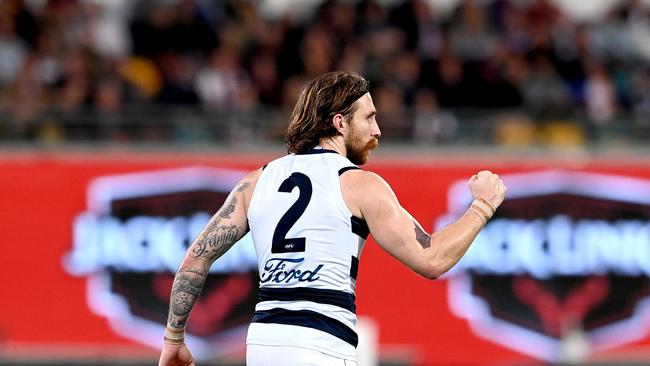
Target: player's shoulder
248 182
363 180
253 175
246 185
365 191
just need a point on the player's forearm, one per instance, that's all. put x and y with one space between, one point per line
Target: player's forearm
214 240
449 244
187 286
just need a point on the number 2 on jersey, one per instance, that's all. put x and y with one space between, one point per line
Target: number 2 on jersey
282 244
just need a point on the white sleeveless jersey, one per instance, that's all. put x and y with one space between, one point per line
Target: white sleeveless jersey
308 244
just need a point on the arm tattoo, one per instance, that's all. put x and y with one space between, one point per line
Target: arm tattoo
229 207
422 237
213 242
187 287
216 239
243 186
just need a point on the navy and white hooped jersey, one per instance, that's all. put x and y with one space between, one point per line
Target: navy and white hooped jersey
308 244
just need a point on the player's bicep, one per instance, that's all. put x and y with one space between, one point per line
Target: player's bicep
225 228
394 229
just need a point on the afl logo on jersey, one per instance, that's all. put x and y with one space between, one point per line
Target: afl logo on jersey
565 259
130 241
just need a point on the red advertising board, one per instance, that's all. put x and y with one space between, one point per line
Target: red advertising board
581 276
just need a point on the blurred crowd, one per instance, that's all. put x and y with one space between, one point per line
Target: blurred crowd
60 58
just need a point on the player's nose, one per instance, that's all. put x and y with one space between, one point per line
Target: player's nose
375 131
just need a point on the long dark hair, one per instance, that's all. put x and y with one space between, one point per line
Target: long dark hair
323 98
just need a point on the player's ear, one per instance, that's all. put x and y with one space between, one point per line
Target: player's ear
339 123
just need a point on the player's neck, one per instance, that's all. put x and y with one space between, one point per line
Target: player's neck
334 143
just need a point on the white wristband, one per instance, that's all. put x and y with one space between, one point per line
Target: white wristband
479 214
174 335
484 207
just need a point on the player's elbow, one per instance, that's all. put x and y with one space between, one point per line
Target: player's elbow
436 267
430 275
433 271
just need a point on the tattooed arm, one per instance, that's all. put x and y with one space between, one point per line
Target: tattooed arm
397 232
224 229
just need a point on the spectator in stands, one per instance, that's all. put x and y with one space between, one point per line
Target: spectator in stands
220 83
472 39
600 96
544 91
432 125
13 50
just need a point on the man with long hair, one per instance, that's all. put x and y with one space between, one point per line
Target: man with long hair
310 213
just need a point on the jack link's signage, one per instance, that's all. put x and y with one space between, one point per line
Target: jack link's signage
131 240
567 253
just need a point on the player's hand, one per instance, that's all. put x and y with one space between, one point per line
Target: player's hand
176 355
488 186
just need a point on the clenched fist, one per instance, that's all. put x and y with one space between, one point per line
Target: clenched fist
489 187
